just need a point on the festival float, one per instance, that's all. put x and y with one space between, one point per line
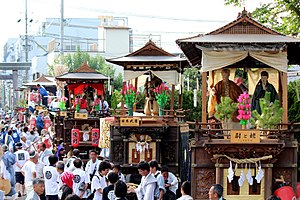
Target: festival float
153 132
248 159
73 127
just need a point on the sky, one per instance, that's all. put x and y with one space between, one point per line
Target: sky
172 19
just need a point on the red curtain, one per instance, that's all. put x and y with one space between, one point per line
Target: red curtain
78 88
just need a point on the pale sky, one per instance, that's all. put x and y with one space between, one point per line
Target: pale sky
202 10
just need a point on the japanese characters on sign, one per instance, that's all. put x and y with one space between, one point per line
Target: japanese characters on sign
244 136
130 121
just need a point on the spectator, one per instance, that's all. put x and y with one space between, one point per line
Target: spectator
92 165
216 192
21 158
29 171
121 190
146 188
7 162
171 183
51 179
80 182
108 192
69 165
65 182
160 180
117 169
44 154
185 191
99 180
38 189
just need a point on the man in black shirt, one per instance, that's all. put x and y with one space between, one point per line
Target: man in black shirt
108 192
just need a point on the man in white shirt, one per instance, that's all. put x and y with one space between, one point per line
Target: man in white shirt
171 182
81 179
51 179
69 167
44 153
117 170
92 165
99 181
21 157
146 188
160 191
38 189
29 171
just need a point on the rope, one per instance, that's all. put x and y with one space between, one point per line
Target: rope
245 160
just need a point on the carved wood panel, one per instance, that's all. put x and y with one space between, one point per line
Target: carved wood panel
205 178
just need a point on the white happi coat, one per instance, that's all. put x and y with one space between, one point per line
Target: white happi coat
145 191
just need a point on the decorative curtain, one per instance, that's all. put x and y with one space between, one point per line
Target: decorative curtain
79 87
212 60
170 76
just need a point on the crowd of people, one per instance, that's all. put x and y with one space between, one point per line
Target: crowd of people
38 170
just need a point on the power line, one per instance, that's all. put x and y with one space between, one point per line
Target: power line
151 16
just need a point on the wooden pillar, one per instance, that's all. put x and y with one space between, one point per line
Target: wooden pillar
218 174
172 99
284 96
135 85
268 179
204 97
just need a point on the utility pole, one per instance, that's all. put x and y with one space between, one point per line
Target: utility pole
26 40
61 32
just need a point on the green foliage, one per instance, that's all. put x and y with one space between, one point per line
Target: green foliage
271 114
140 100
234 2
225 109
191 75
280 15
22 103
188 104
116 98
293 102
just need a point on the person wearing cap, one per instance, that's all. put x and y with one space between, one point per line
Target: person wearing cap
21 157
7 171
29 170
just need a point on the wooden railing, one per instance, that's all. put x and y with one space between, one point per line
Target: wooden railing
215 131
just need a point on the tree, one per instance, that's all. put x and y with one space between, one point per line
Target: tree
280 15
98 63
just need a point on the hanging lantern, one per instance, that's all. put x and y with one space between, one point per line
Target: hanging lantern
75 136
47 122
95 137
32 122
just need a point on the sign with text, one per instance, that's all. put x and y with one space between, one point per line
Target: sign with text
244 136
132 121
